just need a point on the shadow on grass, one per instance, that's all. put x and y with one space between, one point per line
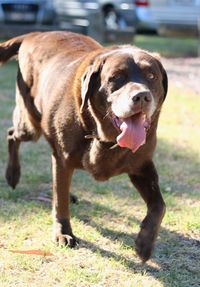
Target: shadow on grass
175 258
173 263
172 268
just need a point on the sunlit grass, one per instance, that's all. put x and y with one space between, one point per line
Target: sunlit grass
168 46
179 134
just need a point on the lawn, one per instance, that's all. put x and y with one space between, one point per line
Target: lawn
169 46
108 214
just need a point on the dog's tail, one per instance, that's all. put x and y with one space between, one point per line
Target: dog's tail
10 48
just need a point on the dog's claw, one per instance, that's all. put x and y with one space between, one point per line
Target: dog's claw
67 240
63 233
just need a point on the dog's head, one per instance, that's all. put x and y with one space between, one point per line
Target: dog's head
124 88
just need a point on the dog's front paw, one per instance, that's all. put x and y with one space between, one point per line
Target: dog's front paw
66 240
144 245
146 239
63 235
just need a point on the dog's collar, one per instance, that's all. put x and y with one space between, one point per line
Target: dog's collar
111 145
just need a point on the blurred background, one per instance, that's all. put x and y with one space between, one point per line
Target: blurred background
105 20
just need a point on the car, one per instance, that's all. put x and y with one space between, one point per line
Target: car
146 22
96 18
20 16
118 14
168 16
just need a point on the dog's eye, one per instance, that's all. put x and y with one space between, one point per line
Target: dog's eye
116 82
115 78
150 76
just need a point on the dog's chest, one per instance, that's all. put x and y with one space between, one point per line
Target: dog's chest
104 162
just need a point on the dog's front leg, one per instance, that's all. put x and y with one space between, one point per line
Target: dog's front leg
62 176
146 182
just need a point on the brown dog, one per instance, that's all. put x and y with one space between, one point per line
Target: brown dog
98 108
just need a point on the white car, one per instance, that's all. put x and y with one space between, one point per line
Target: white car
168 15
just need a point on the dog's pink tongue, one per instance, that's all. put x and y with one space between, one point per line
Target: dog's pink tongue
133 132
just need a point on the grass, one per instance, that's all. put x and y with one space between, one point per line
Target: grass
168 46
108 215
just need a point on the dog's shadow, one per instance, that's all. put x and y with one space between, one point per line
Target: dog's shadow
174 257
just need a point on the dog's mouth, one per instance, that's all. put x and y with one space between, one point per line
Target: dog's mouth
133 130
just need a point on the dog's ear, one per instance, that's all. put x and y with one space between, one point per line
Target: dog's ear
163 72
165 82
90 82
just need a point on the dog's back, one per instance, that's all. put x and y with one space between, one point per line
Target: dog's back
46 60
47 44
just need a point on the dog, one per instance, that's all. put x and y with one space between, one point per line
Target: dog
98 108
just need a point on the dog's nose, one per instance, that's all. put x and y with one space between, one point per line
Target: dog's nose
143 96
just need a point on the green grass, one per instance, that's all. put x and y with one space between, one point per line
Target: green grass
168 46
108 215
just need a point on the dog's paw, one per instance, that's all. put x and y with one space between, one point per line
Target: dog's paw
66 240
145 242
12 175
63 234
143 249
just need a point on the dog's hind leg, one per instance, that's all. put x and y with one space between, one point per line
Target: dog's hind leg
22 130
14 139
13 166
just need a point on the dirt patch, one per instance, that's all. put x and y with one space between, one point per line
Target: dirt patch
184 73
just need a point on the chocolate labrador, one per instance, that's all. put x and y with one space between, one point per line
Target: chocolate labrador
98 108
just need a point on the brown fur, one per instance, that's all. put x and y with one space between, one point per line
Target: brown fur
68 87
